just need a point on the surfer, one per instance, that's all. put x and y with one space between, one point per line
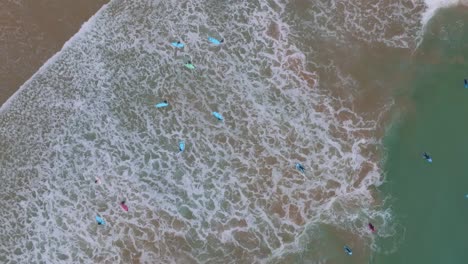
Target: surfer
100 221
218 116
97 181
371 227
215 41
190 65
178 44
181 145
466 83
162 104
427 157
300 168
124 206
348 250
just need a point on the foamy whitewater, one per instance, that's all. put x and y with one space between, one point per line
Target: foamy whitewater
233 196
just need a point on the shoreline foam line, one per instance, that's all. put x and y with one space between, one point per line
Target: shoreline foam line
83 29
432 6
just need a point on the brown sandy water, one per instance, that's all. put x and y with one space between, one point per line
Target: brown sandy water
31 31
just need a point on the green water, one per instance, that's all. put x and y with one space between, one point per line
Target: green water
429 199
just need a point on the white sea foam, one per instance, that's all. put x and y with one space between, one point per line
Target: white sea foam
433 5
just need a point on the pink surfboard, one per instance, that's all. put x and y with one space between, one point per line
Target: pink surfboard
124 206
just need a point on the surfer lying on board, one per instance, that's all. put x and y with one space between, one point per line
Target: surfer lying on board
189 65
371 227
427 157
300 168
100 221
215 41
348 250
124 206
162 104
177 44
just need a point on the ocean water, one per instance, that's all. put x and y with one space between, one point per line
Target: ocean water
297 81
429 200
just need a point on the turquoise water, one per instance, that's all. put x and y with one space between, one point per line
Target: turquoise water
429 199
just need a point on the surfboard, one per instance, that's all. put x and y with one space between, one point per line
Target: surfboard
100 221
162 104
214 41
181 145
178 45
124 207
299 167
218 116
190 66
348 250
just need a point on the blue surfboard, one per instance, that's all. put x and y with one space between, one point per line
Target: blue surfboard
181 145
162 104
218 116
215 41
177 44
100 221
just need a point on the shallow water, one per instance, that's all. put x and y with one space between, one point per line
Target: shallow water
295 82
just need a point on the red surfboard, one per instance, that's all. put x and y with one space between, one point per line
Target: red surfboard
124 206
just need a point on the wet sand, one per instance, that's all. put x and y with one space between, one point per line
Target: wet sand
31 31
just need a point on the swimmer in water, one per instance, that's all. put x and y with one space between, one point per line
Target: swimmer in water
427 157
97 181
